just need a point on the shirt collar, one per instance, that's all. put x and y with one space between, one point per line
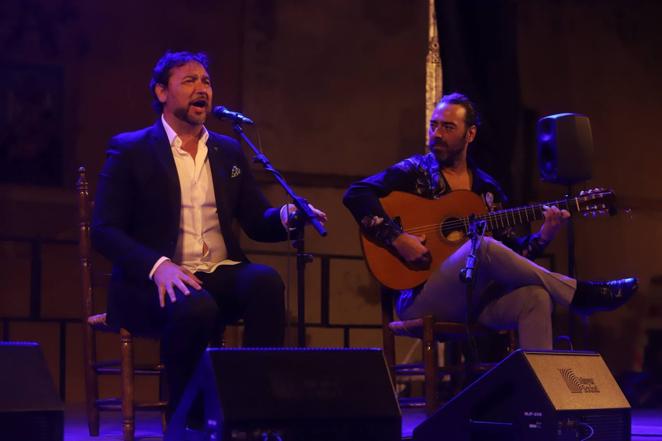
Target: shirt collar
174 139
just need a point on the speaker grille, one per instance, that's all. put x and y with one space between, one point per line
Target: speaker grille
607 426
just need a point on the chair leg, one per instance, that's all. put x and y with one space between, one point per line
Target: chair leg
91 381
163 396
463 370
512 341
388 338
430 362
128 413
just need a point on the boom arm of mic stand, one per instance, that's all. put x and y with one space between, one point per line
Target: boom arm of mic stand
306 213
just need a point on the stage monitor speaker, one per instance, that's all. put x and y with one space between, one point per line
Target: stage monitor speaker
293 394
30 408
565 148
541 396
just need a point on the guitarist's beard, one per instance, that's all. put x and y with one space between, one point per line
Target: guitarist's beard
445 154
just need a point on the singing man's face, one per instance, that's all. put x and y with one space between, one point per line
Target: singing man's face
449 136
188 94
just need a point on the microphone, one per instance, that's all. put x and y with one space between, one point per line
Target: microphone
222 112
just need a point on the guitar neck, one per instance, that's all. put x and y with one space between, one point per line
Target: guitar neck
510 217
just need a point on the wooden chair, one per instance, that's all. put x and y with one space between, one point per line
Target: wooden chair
431 332
93 323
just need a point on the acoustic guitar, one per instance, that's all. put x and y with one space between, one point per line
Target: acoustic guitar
445 222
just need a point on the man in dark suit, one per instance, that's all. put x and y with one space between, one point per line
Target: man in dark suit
165 204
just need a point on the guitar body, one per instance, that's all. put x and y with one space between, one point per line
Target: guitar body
442 240
446 220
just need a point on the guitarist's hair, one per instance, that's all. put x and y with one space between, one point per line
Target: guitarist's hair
472 118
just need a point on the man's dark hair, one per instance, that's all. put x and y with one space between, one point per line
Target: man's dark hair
472 118
161 72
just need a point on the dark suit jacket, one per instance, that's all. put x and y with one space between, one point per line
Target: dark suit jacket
137 212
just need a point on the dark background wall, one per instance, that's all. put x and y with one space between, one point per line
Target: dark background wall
602 59
338 89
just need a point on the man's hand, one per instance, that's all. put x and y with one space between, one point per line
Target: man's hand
554 218
288 211
412 250
168 276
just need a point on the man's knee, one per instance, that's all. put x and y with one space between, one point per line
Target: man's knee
196 308
486 246
489 246
266 280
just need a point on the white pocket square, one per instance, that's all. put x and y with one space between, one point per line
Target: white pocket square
236 171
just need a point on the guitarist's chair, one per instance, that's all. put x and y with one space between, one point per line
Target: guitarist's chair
431 332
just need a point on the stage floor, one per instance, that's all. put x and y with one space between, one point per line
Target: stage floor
646 425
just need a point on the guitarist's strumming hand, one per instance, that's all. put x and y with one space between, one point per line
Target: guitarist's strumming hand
412 251
554 219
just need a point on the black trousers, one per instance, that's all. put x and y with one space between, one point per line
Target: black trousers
247 291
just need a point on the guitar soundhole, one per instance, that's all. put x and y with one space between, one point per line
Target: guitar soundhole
452 229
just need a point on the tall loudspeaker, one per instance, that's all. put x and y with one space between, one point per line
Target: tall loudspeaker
565 148
541 396
30 409
293 394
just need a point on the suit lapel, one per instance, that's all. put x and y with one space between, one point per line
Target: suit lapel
161 148
218 164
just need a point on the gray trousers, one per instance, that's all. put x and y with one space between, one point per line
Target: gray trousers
510 292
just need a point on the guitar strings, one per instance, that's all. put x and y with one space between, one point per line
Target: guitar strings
490 217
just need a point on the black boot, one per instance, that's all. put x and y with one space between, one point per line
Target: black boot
592 297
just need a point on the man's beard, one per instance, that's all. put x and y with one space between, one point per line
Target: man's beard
445 155
183 114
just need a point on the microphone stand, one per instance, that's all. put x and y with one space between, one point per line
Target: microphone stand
305 214
475 232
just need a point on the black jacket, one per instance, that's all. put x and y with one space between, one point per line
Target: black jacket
137 212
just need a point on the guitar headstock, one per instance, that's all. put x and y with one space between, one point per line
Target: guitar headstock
596 202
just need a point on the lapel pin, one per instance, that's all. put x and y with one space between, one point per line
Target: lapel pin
236 171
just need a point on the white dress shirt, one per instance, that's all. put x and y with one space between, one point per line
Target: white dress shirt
200 243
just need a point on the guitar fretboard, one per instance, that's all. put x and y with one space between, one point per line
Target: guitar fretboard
511 217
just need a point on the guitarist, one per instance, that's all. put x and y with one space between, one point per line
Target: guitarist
511 290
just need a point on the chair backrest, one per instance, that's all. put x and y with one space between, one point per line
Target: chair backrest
84 242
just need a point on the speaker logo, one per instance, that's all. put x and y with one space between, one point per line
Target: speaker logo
577 384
